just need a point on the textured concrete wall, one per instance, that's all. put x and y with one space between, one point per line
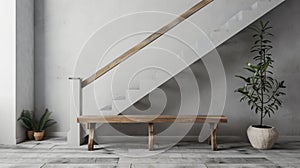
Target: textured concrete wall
235 54
7 72
62 29
17 67
25 61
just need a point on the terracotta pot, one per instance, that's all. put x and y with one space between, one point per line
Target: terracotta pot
262 138
30 134
38 136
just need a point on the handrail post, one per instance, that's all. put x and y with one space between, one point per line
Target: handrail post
74 136
79 94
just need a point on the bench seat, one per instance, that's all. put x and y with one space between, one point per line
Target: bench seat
91 120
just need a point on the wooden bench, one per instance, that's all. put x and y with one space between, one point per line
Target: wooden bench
150 120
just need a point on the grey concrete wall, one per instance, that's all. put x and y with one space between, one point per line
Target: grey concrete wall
24 61
7 72
235 54
62 29
57 49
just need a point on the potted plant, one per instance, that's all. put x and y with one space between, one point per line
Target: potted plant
44 122
27 120
261 91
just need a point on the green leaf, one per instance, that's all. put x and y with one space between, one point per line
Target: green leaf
254 28
49 124
256 110
245 79
267 28
254 50
26 125
26 119
265 24
271 80
45 121
243 98
282 93
266 41
250 69
261 24
281 84
257 41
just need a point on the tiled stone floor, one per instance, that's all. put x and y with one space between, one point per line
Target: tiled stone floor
55 153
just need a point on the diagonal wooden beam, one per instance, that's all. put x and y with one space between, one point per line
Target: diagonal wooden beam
145 42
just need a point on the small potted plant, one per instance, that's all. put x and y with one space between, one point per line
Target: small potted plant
261 91
27 120
44 122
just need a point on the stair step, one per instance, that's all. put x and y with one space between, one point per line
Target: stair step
106 108
146 84
120 105
160 75
134 88
254 6
119 98
241 19
134 95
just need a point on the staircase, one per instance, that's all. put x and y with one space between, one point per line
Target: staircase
224 18
234 24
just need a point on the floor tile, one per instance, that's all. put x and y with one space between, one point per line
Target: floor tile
55 153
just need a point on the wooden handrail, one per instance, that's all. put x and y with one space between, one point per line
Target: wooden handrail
145 42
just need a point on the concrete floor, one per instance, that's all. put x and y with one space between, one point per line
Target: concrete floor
55 153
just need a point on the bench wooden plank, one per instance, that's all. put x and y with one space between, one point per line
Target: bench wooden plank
91 120
91 127
150 136
213 136
151 118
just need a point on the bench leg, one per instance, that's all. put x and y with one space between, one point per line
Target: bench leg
150 136
213 137
91 127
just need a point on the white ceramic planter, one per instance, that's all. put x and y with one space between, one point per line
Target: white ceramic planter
262 138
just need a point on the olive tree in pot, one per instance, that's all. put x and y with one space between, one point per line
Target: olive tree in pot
260 90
